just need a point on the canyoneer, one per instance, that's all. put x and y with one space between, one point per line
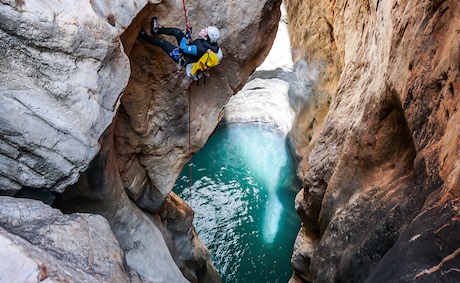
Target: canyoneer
197 56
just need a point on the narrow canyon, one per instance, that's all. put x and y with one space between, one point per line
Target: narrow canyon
96 125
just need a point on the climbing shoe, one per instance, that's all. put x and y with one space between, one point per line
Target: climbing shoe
154 25
142 32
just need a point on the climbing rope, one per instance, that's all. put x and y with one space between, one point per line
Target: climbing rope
187 24
188 29
189 146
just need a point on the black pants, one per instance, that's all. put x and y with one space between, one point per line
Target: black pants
165 45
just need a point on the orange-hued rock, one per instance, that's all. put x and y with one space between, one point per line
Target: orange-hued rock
192 257
163 116
381 178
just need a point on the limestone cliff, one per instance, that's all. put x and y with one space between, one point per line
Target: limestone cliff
94 120
379 140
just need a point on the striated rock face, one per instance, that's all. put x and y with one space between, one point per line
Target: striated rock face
94 120
62 71
381 179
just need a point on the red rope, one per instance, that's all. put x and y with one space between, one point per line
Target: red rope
187 25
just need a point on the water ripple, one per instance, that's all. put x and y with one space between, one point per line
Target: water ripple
243 198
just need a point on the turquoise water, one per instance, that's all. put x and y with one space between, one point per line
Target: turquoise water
243 193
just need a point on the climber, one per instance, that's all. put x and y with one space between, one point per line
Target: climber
188 52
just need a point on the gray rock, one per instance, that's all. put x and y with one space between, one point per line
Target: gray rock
21 261
62 71
40 242
99 190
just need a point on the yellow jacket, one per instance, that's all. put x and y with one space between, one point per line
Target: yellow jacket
207 61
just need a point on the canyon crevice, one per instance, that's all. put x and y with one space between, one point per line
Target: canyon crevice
96 125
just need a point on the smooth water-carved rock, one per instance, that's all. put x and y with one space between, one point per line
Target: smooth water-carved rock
265 98
99 190
164 117
64 67
62 72
386 161
39 242
192 257
161 120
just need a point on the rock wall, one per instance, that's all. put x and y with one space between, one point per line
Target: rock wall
265 98
153 146
95 120
380 165
62 72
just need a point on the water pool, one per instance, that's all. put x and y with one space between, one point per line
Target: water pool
243 193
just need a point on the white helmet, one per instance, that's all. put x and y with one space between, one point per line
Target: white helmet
213 34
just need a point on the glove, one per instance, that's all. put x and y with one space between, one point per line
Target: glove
188 33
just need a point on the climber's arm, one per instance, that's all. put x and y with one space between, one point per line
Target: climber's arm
192 49
187 49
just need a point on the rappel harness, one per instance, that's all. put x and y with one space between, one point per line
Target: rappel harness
196 71
199 69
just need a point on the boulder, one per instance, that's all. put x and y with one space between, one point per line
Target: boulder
39 242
